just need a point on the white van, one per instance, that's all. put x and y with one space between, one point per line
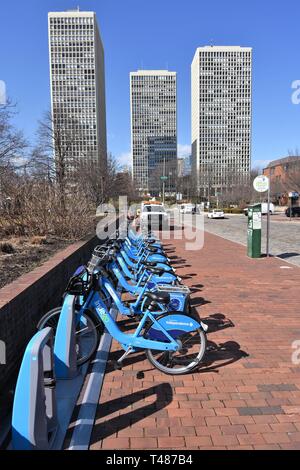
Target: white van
189 209
264 208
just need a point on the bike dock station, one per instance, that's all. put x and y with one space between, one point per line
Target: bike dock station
48 386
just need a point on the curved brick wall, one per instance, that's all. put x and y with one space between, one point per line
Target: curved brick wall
26 299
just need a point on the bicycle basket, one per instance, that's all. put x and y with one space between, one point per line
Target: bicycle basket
99 258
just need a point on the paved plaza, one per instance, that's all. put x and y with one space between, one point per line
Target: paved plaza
246 393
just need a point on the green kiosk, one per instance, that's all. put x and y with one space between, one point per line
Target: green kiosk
254 231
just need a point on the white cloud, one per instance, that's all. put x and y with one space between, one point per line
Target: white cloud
2 93
124 159
183 150
260 163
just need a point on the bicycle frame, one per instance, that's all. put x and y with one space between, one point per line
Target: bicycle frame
132 340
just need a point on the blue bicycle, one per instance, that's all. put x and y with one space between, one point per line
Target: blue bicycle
174 343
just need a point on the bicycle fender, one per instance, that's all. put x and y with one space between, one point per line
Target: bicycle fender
165 278
157 258
175 324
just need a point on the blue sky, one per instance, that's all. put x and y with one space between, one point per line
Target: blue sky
163 34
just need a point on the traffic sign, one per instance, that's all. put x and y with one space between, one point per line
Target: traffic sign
163 178
261 183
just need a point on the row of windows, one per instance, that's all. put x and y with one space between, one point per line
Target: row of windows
69 27
67 65
73 66
73 44
71 20
61 51
225 53
64 81
72 54
153 78
61 38
228 71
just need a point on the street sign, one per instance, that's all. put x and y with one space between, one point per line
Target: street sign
261 183
163 178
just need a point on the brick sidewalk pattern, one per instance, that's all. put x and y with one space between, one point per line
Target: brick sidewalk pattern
246 394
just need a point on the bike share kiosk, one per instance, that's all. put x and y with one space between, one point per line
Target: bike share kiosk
254 231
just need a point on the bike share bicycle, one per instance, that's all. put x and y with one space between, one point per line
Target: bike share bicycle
174 342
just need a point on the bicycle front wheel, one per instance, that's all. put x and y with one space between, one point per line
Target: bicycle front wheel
191 351
88 331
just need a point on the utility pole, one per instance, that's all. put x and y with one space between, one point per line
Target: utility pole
268 222
208 184
164 174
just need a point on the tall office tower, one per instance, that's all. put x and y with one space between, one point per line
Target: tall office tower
77 85
153 129
221 117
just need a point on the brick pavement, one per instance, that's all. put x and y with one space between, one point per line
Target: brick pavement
246 394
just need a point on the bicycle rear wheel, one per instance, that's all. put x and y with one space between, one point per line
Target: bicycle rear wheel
88 331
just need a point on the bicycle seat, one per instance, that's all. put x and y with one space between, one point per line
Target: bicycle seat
153 249
149 263
156 270
160 297
149 241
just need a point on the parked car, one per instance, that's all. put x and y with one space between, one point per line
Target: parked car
264 208
154 214
215 214
295 212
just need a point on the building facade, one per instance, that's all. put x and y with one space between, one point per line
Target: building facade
77 84
284 175
221 97
153 129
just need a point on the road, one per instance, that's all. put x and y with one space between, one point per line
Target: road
284 234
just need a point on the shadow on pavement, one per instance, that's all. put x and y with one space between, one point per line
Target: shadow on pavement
164 396
228 353
288 255
199 301
217 322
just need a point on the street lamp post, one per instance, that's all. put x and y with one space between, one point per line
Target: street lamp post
164 175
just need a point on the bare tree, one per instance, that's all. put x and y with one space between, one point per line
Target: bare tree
239 188
291 180
52 158
12 141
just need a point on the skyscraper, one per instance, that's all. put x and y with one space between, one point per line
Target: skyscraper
77 85
153 128
221 117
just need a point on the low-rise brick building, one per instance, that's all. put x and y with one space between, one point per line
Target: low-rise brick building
284 175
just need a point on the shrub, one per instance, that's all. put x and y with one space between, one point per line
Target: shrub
7 248
233 210
38 240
